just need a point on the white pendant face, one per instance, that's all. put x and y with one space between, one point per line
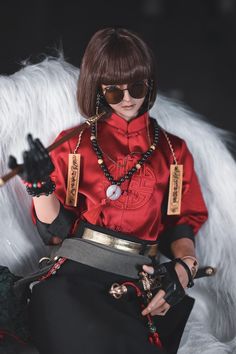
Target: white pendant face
113 192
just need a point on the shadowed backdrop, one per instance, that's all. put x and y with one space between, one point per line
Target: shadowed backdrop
194 43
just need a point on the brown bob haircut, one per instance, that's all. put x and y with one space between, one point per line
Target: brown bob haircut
114 56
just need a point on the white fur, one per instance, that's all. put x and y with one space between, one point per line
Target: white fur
41 99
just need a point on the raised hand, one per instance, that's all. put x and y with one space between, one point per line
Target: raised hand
36 170
37 164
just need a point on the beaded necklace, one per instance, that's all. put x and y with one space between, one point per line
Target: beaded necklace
113 192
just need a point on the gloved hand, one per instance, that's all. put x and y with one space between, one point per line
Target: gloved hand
37 164
171 291
174 291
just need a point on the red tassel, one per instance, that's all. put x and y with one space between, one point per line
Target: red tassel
156 340
93 214
153 337
150 339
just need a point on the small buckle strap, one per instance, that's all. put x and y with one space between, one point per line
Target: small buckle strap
190 278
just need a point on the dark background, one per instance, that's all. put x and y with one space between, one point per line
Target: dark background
194 42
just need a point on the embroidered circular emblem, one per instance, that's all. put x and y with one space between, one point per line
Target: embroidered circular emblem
137 191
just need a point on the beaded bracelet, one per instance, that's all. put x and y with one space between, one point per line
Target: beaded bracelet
37 189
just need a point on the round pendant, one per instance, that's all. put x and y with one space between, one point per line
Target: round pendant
113 192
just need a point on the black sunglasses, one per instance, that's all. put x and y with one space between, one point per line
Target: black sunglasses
114 94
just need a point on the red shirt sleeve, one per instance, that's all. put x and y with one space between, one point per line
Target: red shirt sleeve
193 208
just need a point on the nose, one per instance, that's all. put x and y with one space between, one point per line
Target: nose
127 96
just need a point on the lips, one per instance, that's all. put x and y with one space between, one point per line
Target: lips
128 107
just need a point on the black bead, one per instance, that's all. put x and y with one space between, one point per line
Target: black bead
129 174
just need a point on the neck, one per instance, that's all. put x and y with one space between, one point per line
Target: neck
128 119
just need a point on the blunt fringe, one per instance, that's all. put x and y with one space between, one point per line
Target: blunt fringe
114 56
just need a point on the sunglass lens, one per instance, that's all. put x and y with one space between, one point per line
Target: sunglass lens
138 90
113 95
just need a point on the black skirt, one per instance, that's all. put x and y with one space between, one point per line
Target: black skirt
72 312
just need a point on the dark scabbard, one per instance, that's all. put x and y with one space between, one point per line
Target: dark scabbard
207 271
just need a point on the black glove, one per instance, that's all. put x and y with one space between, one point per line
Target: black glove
170 282
37 164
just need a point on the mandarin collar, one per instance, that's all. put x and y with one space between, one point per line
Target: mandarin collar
135 125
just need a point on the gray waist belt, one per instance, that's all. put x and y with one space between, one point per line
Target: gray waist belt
102 257
93 254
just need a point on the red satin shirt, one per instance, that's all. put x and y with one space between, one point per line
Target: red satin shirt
141 209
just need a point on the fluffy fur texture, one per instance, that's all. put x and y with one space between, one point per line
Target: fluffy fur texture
41 99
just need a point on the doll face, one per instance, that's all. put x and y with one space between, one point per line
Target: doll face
128 107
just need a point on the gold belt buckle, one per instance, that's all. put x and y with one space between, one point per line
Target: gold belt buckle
151 250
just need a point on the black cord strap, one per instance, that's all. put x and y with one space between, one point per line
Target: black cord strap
190 277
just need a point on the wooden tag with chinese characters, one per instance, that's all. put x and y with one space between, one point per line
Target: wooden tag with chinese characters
175 190
73 179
